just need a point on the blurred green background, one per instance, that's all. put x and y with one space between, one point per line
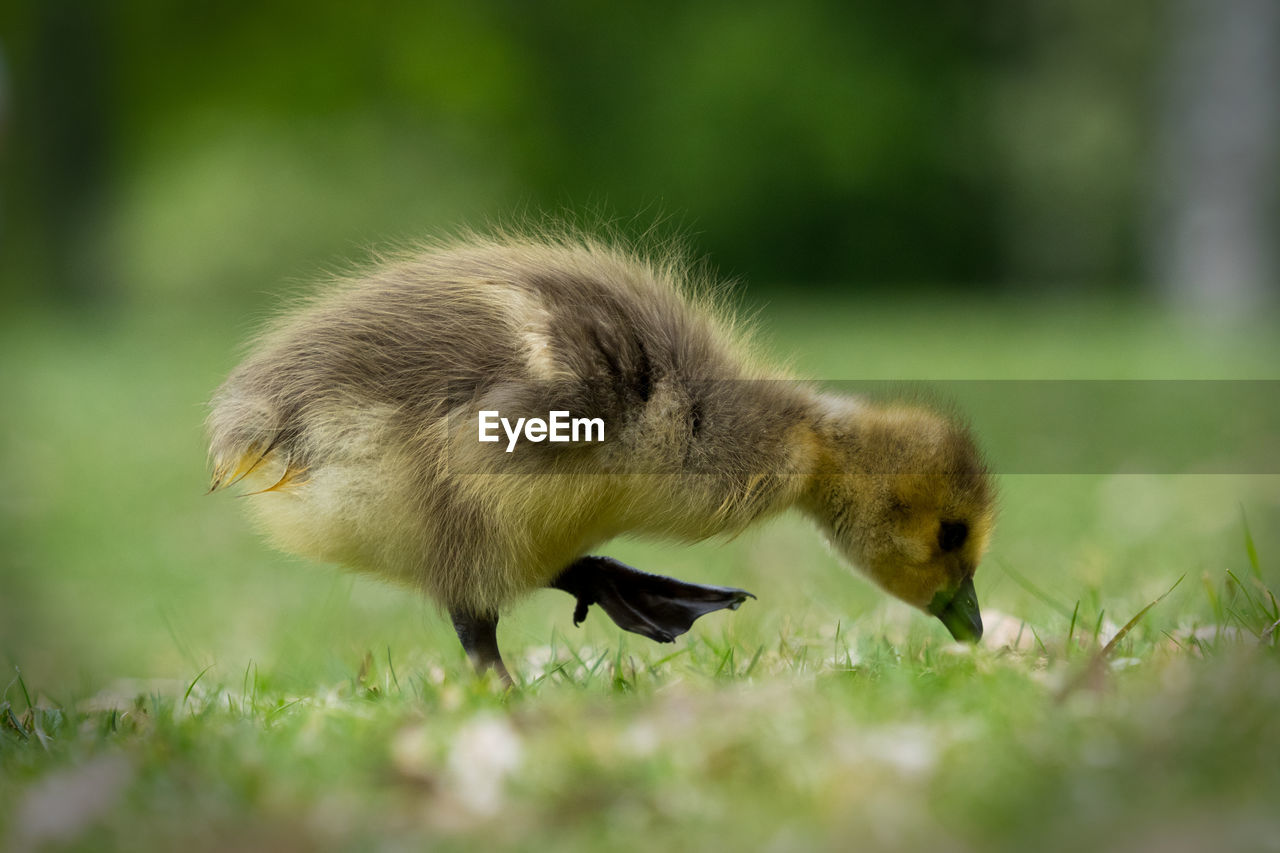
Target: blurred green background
159 153
984 189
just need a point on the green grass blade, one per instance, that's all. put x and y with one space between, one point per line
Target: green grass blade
1071 629
1128 626
1249 547
22 685
391 667
192 685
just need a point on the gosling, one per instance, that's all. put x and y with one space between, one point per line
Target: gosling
357 422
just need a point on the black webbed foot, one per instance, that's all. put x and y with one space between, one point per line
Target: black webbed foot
658 607
479 638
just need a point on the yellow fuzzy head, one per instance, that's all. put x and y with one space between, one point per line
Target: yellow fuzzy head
905 497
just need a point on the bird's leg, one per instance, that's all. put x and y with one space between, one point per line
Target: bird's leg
479 637
658 607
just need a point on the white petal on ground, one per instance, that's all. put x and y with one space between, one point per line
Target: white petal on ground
412 754
1211 633
485 752
1001 631
1107 632
911 750
641 739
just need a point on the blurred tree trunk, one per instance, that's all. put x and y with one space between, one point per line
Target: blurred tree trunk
1215 220
60 125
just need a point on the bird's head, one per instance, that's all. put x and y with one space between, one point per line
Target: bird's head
905 497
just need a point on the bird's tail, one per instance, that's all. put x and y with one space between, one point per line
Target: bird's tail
246 443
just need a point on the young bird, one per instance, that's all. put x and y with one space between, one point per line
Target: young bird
356 420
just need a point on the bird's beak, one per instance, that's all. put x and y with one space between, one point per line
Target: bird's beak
960 612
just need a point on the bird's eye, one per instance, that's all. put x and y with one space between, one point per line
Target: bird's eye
951 535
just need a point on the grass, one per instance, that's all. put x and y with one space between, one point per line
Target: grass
168 681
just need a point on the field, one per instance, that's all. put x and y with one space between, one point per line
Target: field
170 682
